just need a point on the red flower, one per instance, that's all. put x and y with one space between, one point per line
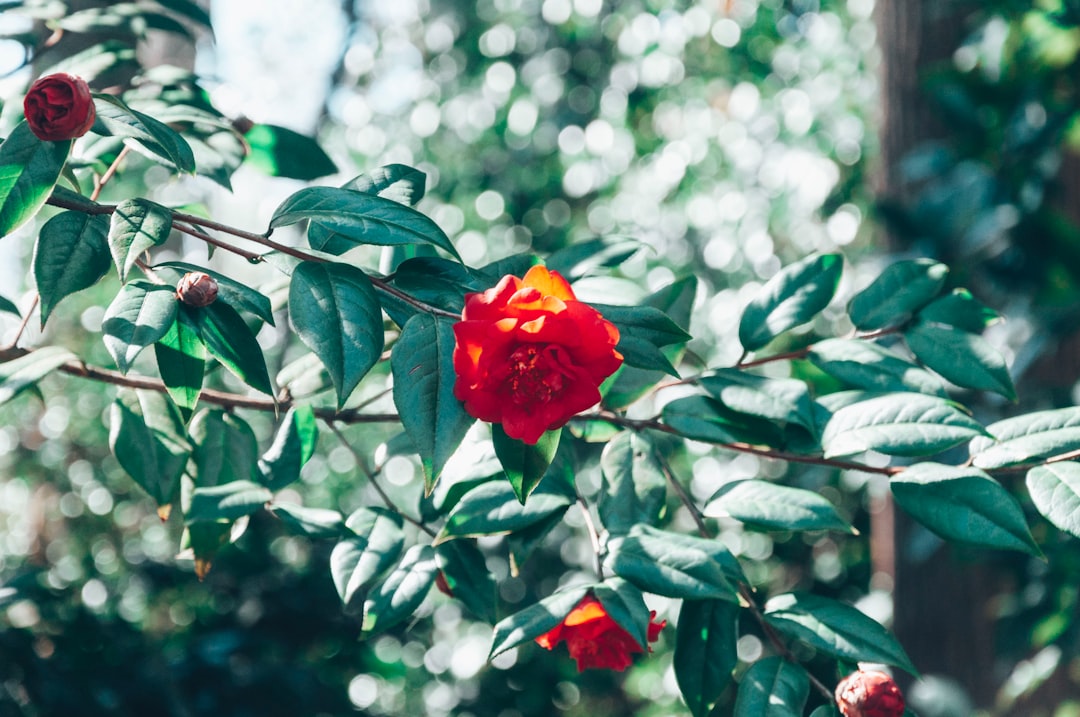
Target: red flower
594 639
869 694
530 356
59 107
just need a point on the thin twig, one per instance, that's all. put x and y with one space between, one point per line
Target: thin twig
594 536
684 497
24 323
101 181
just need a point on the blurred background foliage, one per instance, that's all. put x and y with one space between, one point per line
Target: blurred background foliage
725 137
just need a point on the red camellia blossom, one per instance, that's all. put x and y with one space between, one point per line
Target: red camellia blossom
530 356
59 107
869 694
594 639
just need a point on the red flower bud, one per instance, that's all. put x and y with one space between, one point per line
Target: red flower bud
197 289
594 639
869 694
59 107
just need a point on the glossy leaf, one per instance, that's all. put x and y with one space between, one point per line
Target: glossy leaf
705 651
226 502
1026 438
777 507
865 365
318 523
423 369
229 340
115 118
634 489
965 359
336 314
780 400
29 168
524 464
234 293
8 306
281 152
672 564
294 444
181 360
835 628
963 504
584 257
897 293
492 508
22 372
960 309
704 419
643 330
625 604
71 254
358 561
903 424
224 450
141 314
135 226
535 620
403 590
772 687
398 182
793 296
1055 491
466 574
147 437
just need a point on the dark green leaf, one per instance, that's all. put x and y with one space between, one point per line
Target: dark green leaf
901 424
19 374
781 400
836 628
625 604
147 436
335 312
401 183
965 359
765 504
226 502
181 360
29 167
359 560
642 331
960 309
900 291
232 343
8 306
115 118
634 489
524 464
466 574
672 564
535 620
281 152
141 314
237 295
293 446
437 281
224 451
403 591
71 254
705 651
492 508
793 296
423 368
311 522
135 226
703 419
1026 438
582 258
1055 491
772 687
963 504
865 365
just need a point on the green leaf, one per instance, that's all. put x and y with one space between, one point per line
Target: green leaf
704 419
29 168
226 502
115 118
705 651
772 687
293 446
634 489
181 360
135 226
777 507
793 296
963 504
642 331
224 449
535 620
625 604
901 424
19 374
781 400
898 292
965 359
141 314
356 218
1055 491
492 508
960 309
423 369
336 314
865 365
583 258
835 628
147 437
281 152
466 574
403 591
8 306
71 254
237 295
357 562
232 343
1027 438
315 523
524 465
672 564
399 182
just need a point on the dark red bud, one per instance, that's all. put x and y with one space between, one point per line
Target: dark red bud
869 694
59 107
197 289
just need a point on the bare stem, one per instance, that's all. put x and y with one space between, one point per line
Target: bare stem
25 322
100 182
594 536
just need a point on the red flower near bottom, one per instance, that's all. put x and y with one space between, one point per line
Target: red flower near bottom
596 640
869 694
